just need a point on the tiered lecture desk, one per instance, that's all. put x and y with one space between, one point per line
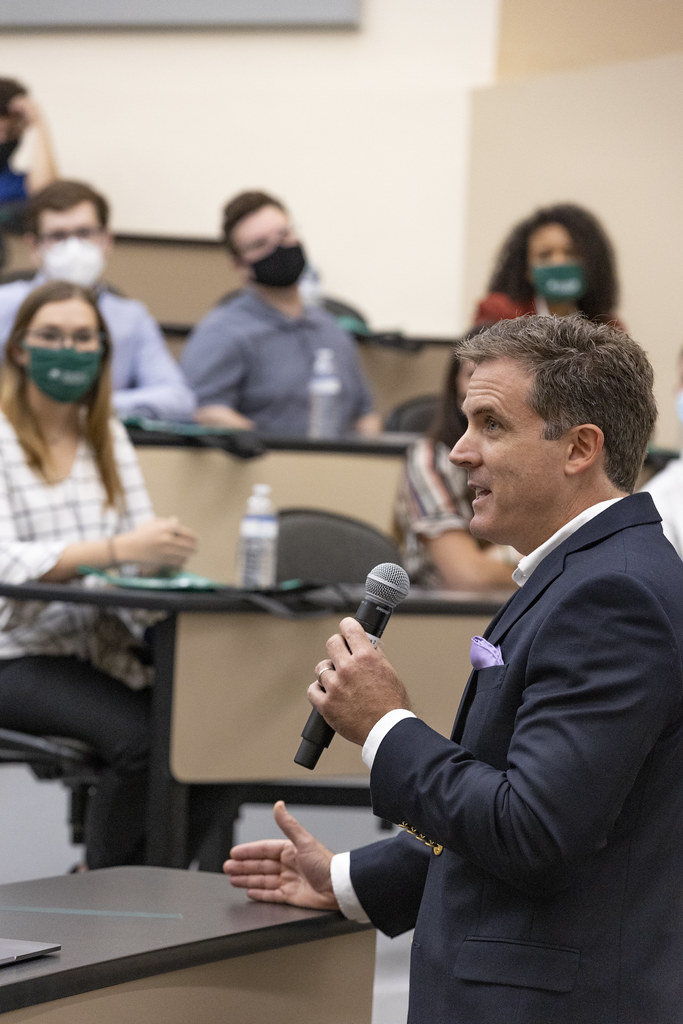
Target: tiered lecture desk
154 944
229 699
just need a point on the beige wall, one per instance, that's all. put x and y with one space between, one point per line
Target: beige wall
538 36
357 130
607 136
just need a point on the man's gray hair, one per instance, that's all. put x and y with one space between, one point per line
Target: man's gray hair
581 372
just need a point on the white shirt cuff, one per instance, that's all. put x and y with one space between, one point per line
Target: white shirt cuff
340 866
379 731
340 875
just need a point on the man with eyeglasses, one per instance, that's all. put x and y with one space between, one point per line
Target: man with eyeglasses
68 236
249 361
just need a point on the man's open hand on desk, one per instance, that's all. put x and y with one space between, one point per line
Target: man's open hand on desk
356 686
294 870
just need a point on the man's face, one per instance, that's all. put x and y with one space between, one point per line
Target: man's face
258 234
522 495
55 226
551 245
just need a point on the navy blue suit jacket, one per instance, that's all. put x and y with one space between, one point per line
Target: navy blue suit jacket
558 897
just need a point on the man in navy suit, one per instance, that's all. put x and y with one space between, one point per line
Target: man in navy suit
547 888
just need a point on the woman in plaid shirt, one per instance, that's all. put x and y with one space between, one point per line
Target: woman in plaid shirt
72 494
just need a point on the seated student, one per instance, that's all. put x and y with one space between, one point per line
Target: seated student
69 240
559 260
72 494
434 506
19 116
666 490
249 360
666 487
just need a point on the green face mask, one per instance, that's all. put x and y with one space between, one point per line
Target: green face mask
562 282
63 374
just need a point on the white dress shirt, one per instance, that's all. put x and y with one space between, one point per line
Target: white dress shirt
340 867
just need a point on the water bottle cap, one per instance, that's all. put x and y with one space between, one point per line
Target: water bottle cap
259 502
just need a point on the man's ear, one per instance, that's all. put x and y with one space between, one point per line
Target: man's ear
585 446
34 252
107 242
242 270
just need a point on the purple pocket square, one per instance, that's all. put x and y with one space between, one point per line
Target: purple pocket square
483 654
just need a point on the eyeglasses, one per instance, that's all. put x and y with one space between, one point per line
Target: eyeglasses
52 337
84 234
266 244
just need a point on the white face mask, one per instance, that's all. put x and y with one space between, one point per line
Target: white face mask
75 260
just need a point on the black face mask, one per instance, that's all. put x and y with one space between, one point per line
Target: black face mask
281 268
6 150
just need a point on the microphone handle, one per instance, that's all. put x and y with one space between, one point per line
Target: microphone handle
317 735
373 617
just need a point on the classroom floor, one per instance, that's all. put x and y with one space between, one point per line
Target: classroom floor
34 843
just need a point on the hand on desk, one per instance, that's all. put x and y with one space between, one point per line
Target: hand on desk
294 870
162 541
222 416
360 689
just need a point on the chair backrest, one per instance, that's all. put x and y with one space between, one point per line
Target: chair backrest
415 415
348 317
314 544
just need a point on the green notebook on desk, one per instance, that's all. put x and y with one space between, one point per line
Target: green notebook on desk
172 581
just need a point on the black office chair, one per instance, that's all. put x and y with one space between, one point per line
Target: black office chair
315 544
73 763
415 415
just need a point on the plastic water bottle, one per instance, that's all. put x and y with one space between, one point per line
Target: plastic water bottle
325 397
257 546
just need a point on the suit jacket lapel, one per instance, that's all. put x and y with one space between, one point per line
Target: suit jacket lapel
633 510
636 509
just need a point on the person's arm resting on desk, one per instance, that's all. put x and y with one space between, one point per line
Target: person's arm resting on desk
464 565
222 416
368 425
147 380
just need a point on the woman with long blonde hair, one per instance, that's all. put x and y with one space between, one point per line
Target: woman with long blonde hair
72 494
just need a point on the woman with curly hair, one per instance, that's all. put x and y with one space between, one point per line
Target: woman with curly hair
559 260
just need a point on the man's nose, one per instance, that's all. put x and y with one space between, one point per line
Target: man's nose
462 452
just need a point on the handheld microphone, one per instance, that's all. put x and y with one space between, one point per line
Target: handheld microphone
385 587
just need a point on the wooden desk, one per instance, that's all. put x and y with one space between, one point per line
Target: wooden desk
208 489
153 944
229 699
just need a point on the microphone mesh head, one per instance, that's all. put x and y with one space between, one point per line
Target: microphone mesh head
388 582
